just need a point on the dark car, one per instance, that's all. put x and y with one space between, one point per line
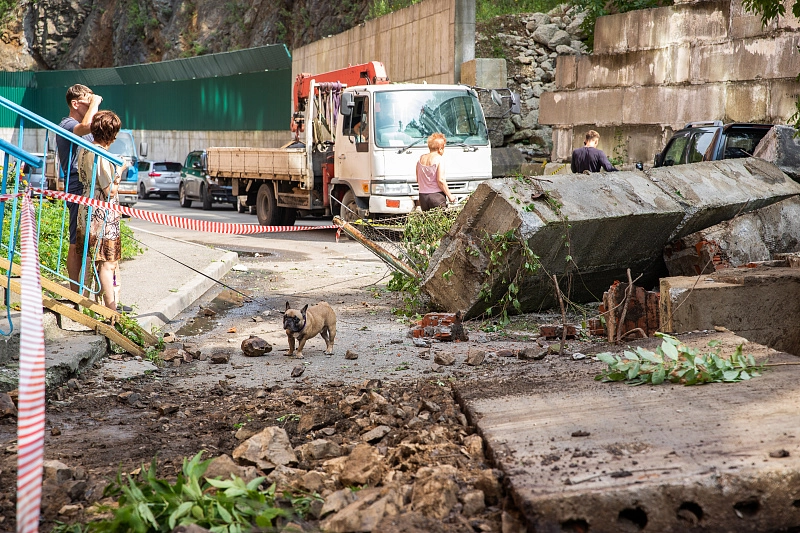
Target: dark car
196 184
711 141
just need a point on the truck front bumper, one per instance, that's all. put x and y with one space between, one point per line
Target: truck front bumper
128 199
391 205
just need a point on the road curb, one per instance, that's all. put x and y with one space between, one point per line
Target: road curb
187 294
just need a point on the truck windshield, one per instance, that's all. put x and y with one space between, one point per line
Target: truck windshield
123 145
403 117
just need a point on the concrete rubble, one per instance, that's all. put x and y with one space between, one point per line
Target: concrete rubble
592 226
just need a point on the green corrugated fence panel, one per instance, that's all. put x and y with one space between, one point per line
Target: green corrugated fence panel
17 87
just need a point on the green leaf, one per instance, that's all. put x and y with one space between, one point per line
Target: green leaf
224 514
731 375
658 376
669 350
607 357
633 371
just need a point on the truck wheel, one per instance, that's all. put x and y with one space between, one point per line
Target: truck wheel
143 192
289 217
349 209
267 207
185 202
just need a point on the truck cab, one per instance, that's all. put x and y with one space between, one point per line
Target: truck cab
382 132
125 147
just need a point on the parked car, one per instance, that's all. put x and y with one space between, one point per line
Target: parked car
711 141
158 177
196 184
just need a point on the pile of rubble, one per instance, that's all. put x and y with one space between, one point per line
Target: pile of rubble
531 42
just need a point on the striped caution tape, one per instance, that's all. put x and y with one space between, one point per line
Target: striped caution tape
30 421
178 222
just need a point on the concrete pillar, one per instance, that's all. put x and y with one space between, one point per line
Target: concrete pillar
464 35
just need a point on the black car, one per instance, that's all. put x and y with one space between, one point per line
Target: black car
196 184
711 141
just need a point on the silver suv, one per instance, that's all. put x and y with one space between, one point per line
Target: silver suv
158 177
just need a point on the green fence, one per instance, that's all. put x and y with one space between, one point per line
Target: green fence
235 91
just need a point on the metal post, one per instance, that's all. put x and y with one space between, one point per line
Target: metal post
464 35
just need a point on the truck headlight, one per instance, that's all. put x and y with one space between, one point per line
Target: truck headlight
391 189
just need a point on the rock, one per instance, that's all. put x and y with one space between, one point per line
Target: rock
525 60
488 483
544 33
70 510
565 50
376 434
255 346
312 481
75 489
444 358
55 431
267 449
192 349
171 353
223 467
560 37
365 513
473 502
167 409
434 492
7 407
57 471
577 356
73 384
298 371
337 501
430 406
318 449
363 467
474 446
512 523
220 358
244 433
317 419
536 20
475 357
207 312
350 354
284 477
506 353
421 343
168 338
534 354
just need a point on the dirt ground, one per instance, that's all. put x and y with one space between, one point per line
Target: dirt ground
98 427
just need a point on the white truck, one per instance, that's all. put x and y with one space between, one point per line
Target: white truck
357 141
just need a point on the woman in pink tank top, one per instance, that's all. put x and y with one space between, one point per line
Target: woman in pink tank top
433 191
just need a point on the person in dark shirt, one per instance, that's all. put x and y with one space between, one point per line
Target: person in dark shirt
83 105
590 158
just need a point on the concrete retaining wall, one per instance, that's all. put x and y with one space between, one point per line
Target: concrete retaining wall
654 70
415 44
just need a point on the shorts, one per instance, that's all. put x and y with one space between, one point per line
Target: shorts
75 187
429 201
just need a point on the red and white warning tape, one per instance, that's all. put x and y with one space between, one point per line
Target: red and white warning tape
30 422
179 222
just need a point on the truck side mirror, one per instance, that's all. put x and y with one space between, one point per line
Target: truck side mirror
347 104
143 149
496 98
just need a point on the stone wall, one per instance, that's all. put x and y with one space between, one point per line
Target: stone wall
654 70
415 44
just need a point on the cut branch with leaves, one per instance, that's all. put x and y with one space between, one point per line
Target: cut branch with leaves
675 362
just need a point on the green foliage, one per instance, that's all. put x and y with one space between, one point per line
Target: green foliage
379 8
510 260
156 505
599 8
421 237
673 361
619 154
486 9
6 9
137 18
50 217
769 10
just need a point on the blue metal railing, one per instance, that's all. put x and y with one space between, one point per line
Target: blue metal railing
13 157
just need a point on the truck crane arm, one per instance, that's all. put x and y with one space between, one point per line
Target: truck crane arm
372 73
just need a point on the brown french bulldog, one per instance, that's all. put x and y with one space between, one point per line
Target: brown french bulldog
307 323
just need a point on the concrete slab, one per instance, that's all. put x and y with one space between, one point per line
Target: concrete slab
581 455
591 226
762 304
127 369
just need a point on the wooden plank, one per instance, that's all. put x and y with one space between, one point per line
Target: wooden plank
64 292
105 330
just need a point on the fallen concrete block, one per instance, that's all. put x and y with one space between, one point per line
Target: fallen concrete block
759 304
748 238
781 148
592 227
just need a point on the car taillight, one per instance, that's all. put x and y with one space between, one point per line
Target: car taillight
154 174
